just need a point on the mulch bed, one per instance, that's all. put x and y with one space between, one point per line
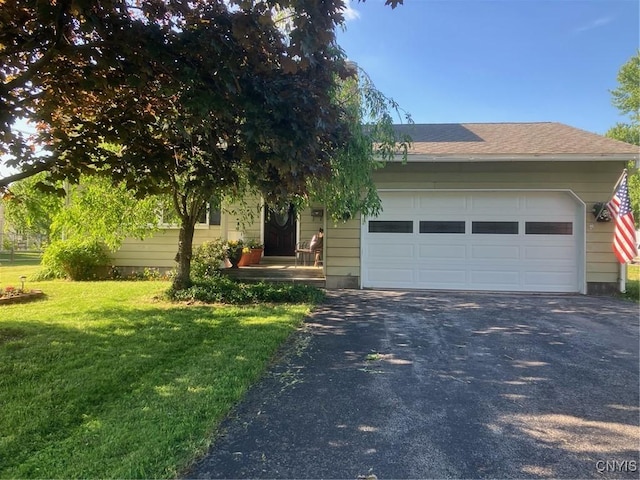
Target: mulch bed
22 297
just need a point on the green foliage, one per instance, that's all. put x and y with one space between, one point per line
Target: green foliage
222 289
74 259
201 97
633 290
101 380
146 274
625 132
97 209
30 210
373 141
207 258
626 97
92 209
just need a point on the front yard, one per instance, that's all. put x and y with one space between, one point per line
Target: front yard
103 380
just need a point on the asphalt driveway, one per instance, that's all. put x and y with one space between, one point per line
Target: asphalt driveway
444 385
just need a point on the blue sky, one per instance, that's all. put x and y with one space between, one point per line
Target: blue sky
497 60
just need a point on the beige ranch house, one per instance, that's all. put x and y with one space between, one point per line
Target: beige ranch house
477 206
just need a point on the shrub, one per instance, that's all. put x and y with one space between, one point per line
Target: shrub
222 289
207 258
75 259
633 290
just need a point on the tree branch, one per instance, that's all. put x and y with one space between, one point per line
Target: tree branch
29 172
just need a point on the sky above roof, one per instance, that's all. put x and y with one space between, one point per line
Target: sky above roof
450 61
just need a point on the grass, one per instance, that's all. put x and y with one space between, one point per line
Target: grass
102 380
19 258
633 283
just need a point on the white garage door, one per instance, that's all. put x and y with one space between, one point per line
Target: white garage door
506 241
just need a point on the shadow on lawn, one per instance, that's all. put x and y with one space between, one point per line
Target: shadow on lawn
158 375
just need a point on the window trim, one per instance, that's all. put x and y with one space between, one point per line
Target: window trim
458 223
406 223
538 224
487 223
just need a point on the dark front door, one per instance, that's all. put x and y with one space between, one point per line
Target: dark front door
280 233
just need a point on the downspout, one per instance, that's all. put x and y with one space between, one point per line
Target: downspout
623 278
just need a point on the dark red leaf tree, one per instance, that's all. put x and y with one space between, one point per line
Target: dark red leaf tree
202 96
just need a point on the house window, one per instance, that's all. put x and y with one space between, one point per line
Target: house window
167 215
215 215
495 228
169 218
548 228
388 226
442 227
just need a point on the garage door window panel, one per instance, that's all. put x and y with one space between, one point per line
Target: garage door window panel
391 226
430 226
495 228
548 228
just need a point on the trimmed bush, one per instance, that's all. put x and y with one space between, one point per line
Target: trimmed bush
207 258
74 259
222 289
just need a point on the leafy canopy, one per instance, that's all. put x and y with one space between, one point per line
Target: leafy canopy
207 90
626 97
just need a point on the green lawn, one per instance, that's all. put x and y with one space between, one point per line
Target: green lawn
633 283
103 380
633 272
19 258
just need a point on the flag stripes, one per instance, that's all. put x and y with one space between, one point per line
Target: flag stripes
624 236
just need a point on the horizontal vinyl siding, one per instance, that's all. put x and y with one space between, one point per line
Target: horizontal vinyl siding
308 225
592 182
237 227
158 250
343 249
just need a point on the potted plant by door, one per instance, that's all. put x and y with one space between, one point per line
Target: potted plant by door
256 251
234 252
245 257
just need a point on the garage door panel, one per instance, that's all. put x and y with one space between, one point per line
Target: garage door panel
395 274
446 277
549 281
442 252
550 253
399 250
523 241
549 205
399 202
493 203
443 203
493 252
495 278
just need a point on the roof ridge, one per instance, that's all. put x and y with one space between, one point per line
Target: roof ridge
511 138
481 123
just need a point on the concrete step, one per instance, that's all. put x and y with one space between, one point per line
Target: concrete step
280 269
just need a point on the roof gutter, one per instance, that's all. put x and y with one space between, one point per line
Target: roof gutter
617 157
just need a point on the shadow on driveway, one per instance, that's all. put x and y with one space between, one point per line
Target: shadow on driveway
444 385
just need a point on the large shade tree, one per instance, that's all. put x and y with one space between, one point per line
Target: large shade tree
203 97
626 97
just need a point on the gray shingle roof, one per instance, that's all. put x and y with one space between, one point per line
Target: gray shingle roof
504 139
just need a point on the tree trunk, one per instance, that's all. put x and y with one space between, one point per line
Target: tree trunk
182 279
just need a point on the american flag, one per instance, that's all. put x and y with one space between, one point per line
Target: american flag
624 237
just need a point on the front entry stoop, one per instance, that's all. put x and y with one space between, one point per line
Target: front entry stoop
279 270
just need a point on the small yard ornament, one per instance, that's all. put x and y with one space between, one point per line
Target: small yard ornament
601 212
